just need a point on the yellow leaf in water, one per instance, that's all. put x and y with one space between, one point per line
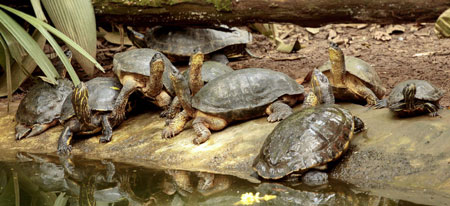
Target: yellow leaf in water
115 88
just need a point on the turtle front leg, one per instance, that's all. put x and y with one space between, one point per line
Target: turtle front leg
106 130
203 122
129 86
432 109
278 111
39 128
176 125
22 131
65 138
364 93
381 104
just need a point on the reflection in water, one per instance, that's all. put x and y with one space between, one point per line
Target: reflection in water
49 180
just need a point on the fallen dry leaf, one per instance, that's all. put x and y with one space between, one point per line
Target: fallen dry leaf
381 36
331 34
312 30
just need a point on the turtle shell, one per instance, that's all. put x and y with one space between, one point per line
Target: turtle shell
306 139
211 70
138 61
103 92
360 69
424 91
43 102
185 41
245 93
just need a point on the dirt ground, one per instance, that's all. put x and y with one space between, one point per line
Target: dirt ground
409 51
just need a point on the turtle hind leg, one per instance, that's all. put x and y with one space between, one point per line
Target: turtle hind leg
202 125
22 131
381 104
278 111
39 128
106 130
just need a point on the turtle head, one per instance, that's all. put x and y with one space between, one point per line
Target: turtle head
321 87
155 83
408 94
311 100
80 103
337 65
359 124
157 63
195 73
136 38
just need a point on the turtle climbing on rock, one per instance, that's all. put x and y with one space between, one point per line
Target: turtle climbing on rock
308 139
352 79
238 95
87 111
413 97
144 70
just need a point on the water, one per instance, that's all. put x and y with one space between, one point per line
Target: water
50 180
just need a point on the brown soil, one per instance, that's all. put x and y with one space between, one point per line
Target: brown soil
393 59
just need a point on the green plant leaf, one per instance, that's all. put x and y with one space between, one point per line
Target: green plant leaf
29 45
33 21
21 70
7 66
73 75
36 4
76 19
16 50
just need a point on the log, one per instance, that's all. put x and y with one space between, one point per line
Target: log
242 12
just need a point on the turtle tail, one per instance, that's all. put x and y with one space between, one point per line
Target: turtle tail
80 103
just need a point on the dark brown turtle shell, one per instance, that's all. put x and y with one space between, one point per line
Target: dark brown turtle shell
306 139
362 70
245 93
43 103
138 61
424 91
103 92
185 41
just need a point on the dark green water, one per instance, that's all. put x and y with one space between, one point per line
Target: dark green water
49 180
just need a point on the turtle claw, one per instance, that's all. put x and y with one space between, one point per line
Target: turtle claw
201 139
65 150
105 139
278 116
167 133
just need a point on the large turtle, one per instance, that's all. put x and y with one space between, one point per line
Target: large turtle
87 111
413 97
238 95
352 79
145 70
186 41
40 108
309 138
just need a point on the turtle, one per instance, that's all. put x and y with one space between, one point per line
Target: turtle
179 42
307 139
413 97
352 78
209 71
145 70
239 95
87 111
40 108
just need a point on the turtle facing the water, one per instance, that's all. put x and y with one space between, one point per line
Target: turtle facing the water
413 97
238 95
309 138
87 111
352 79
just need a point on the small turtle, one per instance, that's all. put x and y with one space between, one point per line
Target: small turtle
413 97
352 79
185 41
306 139
40 108
91 103
238 95
144 70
